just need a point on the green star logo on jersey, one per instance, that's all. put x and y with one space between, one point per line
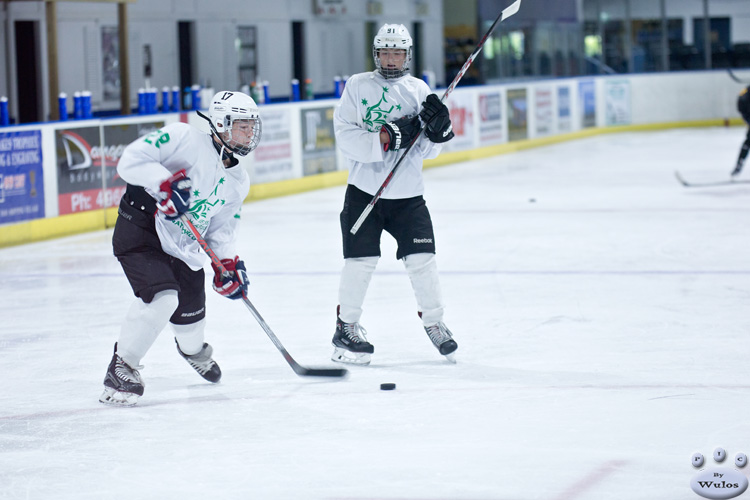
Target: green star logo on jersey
200 208
377 114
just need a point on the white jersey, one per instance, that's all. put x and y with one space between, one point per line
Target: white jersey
368 101
216 197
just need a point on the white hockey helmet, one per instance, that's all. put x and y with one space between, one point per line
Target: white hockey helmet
235 120
392 36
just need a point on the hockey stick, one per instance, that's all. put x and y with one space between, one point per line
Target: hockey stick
298 369
505 14
708 184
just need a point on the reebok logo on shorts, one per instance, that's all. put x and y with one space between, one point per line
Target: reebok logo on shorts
422 240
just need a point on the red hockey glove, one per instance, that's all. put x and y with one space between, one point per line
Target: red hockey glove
175 195
234 283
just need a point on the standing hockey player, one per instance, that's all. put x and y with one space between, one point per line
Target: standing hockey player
743 106
379 114
175 171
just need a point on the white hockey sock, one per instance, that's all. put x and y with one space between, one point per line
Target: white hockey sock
142 325
355 278
422 270
190 337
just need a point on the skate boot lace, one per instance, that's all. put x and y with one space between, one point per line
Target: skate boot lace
355 332
126 373
438 333
201 361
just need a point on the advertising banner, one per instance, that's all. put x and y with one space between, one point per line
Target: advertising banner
543 113
564 117
318 141
491 123
461 106
21 182
587 100
617 97
273 158
517 115
87 170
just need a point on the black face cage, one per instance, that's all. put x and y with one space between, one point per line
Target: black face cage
236 147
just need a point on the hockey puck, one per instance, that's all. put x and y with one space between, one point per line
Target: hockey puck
387 387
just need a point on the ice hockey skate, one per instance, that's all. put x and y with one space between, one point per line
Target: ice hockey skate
737 169
203 363
442 339
122 384
350 344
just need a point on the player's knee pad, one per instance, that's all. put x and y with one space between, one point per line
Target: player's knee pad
143 323
417 262
361 264
161 307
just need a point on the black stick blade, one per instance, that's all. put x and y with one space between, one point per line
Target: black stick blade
730 182
320 372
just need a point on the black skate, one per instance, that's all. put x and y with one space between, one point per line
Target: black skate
737 170
203 363
350 344
122 384
442 338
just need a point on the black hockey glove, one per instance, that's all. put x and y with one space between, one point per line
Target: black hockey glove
401 132
438 119
174 195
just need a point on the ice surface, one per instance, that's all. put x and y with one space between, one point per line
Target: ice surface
603 331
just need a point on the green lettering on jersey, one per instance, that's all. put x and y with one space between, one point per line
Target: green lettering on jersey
200 207
157 138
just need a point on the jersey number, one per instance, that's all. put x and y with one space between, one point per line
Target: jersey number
157 138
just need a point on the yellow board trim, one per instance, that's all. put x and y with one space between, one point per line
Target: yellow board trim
294 186
94 220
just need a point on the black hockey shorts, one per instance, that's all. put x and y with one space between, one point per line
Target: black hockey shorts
150 270
407 220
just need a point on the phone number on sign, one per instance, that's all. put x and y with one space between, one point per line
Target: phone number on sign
91 199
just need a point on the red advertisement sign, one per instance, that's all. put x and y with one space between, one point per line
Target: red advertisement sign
87 159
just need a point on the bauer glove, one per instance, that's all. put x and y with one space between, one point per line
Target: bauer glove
174 194
234 283
401 132
438 119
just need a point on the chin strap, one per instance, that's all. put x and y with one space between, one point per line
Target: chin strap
225 154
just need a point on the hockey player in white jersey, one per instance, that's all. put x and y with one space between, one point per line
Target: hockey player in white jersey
175 171
379 114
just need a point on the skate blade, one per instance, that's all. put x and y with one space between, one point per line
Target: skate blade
114 397
353 358
451 357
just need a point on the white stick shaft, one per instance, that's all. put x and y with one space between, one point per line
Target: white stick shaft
361 219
